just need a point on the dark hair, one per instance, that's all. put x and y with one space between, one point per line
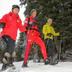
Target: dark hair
15 6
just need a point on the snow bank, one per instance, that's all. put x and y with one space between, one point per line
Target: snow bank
40 67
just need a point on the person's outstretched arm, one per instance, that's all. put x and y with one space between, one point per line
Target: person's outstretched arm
54 33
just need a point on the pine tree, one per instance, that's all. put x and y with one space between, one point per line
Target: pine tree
20 46
61 13
59 10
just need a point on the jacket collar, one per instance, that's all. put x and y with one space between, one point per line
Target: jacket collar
32 18
14 14
48 24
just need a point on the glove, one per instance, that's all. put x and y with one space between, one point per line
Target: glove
28 27
34 23
2 24
61 33
49 34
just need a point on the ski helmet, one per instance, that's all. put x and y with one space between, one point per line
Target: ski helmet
15 6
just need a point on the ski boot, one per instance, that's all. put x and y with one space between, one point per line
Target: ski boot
52 62
5 64
4 67
11 65
24 65
46 62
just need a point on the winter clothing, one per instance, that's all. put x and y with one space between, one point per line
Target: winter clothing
50 48
33 36
2 24
9 33
46 61
13 22
49 32
4 67
10 44
48 29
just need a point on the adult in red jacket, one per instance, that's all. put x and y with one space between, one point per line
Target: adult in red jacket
33 36
12 22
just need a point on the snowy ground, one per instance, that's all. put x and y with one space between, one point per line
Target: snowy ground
40 67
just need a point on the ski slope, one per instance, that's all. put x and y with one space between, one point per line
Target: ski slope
40 67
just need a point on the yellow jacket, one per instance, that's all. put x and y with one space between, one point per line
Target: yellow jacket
47 28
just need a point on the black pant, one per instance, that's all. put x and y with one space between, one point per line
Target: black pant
10 44
50 47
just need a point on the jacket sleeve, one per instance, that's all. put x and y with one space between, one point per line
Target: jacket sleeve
54 33
44 30
3 19
21 27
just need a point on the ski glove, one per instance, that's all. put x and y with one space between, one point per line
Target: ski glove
61 33
49 34
30 25
34 23
2 24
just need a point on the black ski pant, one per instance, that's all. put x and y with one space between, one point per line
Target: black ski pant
10 44
50 47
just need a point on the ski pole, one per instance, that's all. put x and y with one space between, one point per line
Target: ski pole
60 48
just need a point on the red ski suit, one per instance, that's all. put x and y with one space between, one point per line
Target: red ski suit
33 36
13 22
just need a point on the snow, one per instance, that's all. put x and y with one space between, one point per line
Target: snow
40 67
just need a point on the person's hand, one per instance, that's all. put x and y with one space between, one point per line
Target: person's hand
61 33
28 27
49 34
2 24
34 23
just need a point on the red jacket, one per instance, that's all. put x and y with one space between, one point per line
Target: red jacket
13 22
32 32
